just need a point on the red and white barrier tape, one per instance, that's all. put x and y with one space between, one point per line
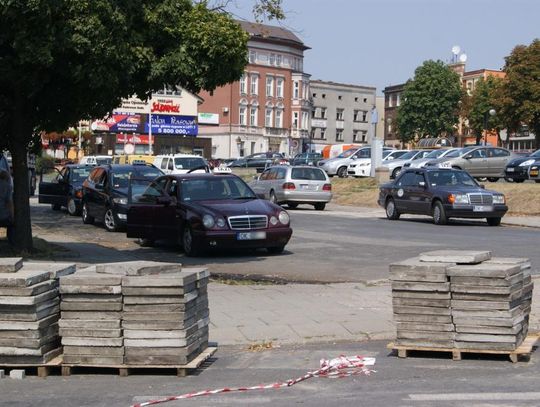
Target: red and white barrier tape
342 366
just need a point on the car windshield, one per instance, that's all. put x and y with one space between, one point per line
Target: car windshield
187 163
385 153
347 153
103 161
312 174
435 154
408 155
455 153
121 176
450 178
215 188
536 154
80 174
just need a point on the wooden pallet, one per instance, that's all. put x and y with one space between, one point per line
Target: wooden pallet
525 349
43 370
125 370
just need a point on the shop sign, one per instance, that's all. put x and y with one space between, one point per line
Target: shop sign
165 106
121 122
174 125
208 118
132 139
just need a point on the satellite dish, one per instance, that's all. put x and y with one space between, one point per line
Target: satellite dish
456 49
463 57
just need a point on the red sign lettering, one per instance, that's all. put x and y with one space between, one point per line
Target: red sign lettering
165 107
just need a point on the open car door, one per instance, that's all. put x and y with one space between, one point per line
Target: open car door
56 191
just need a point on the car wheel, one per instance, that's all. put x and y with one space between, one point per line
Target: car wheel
191 248
319 206
439 214
143 242
342 172
72 207
493 221
391 210
481 179
110 221
396 172
56 207
86 218
493 179
275 250
292 205
273 198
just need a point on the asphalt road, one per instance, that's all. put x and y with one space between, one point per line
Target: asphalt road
329 246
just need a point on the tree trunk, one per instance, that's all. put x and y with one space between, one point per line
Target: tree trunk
22 231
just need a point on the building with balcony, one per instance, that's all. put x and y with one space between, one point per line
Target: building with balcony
269 108
341 113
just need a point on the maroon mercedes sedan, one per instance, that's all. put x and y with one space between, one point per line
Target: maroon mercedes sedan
207 211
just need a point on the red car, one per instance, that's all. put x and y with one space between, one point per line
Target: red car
207 211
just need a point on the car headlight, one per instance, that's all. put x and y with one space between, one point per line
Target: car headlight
499 199
120 201
458 199
526 163
220 222
273 221
284 218
208 221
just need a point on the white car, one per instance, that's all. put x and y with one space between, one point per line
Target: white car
421 163
95 160
338 165
362 167
180 163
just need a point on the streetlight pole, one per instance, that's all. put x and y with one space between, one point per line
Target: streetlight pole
490 112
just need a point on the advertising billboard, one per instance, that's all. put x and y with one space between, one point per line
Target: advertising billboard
173 125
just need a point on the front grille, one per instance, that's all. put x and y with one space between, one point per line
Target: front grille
248 222
481 199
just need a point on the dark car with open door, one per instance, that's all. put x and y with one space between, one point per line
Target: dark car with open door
65 189
207 211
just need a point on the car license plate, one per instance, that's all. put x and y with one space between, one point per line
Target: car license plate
445 165
251 236
510 169
482 208
307 187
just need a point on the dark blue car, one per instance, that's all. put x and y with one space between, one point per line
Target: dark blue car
442 193
523 168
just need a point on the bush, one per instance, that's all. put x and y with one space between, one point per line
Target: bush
44 163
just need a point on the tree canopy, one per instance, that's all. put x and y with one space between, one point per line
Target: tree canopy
430 102
66 60
483 99
519 96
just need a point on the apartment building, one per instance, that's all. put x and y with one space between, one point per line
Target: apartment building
341 113
269 108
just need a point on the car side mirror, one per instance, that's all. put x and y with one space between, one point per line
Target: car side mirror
164 200
353 157
468 156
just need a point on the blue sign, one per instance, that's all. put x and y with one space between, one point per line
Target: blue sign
174 125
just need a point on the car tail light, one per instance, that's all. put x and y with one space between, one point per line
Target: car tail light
78 194
289 185
327 187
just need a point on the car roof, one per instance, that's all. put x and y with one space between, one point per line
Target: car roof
430 169
198 175
178 156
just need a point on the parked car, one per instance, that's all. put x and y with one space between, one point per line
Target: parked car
338 165
433 155
207 211
294 185
362 166
32 174
479 161
306 159
95 160
259 160
443 193
105 192
180 163
519 169
65 190
395 166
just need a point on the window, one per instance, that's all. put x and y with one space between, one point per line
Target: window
498 152
314 95
252 57
390 101
397 99
254 84
323 113
279 60
356 99
242 116
324 95
364 116
270 86
365 100
243 84
279 87
296 90
339 114
364 136
339 135
272 59
339 97
407 180
268 118
389 128
305 119
355 136
279 118
323 133
314 112
295 120
253 116
356 116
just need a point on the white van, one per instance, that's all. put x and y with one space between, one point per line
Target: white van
180 163
95 160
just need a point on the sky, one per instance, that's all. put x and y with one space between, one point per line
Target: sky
381 42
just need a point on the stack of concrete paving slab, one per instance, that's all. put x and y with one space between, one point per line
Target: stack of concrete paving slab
29 311
421 303
90 324
491 303
462 300
165 316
